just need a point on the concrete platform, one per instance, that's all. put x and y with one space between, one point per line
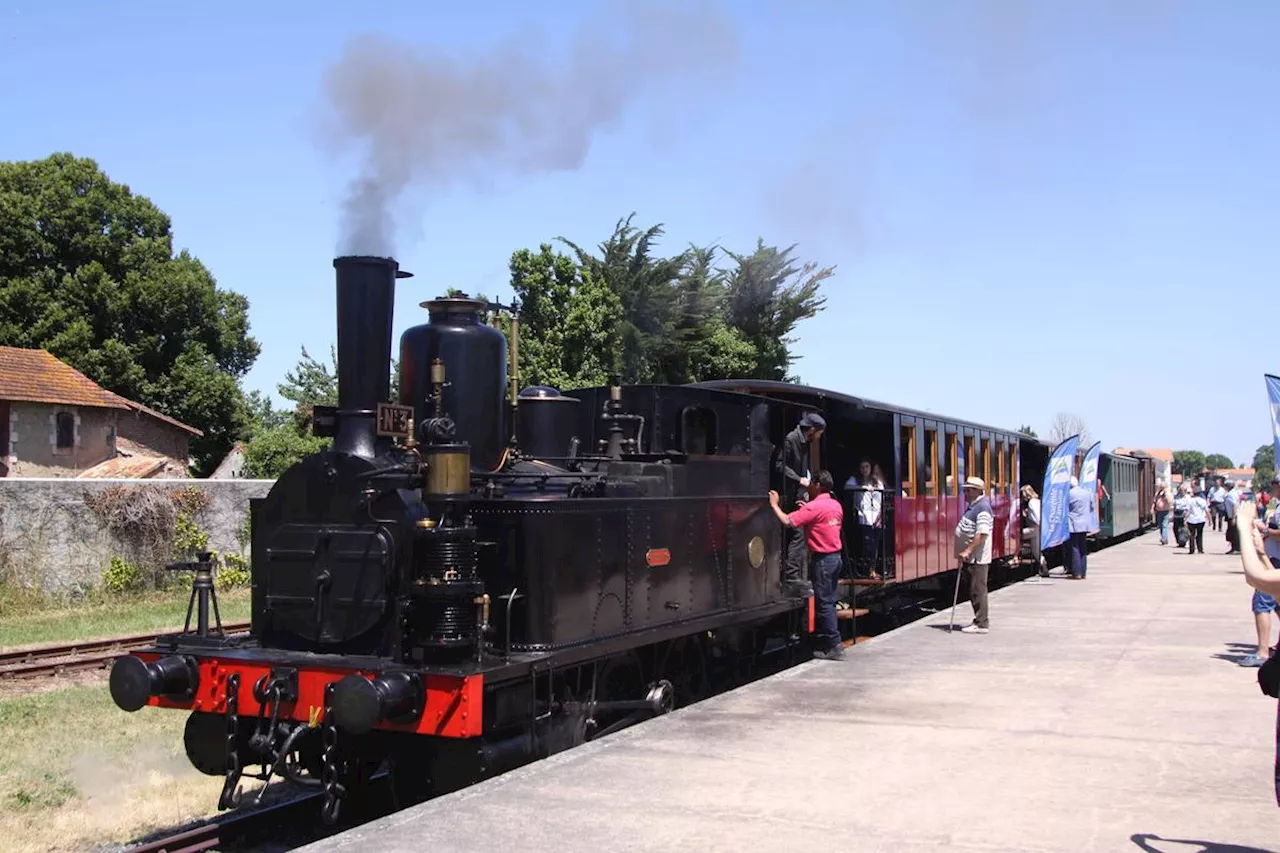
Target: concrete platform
1103 715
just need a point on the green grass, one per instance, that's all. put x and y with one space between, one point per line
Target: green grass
27 623
75 770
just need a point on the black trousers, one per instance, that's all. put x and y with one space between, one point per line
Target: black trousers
1195 538
795 561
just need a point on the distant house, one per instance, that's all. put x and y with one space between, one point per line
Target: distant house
1162 456
231 466
1241 476
56 422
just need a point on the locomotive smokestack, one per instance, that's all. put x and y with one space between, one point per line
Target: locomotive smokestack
366 298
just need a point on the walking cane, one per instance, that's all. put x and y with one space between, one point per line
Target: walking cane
955 599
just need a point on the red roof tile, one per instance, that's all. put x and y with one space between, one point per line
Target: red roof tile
138 407
36 376
127 467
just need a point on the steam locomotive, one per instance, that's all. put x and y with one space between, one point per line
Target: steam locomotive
475 576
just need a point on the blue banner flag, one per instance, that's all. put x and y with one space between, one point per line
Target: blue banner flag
1053 497
1089 482
1273 397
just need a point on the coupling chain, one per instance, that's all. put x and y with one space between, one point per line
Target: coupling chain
230 795
333 789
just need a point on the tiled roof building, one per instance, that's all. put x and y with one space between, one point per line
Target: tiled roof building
56 422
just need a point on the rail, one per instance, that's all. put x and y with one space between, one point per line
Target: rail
81 655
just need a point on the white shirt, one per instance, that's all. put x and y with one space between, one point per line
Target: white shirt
869 499
1033 509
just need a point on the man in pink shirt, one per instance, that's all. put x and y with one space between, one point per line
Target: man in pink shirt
821 519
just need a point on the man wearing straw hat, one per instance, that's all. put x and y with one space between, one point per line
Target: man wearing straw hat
973 549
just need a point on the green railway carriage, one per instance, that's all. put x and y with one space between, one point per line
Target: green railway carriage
1119 511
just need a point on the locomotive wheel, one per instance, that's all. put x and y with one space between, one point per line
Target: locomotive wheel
684 664
618 677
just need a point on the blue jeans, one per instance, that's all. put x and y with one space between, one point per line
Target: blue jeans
1078 554
826 573
1162 522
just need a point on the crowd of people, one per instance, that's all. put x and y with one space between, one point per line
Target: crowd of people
813 519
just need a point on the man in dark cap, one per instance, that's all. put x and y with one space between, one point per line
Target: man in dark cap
793 463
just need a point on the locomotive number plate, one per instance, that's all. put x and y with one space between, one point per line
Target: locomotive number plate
393 419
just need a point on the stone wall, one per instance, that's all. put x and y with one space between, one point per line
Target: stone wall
51 540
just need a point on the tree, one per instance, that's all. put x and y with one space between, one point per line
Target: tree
278 439
644 287
678 319
567 321
1188 463
88 272
1264 466
768 297
1027 431
1217 461
1066 425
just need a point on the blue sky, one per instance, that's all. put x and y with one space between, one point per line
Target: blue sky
1032 207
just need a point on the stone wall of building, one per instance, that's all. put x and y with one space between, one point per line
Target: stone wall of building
138 432
33 439
51 539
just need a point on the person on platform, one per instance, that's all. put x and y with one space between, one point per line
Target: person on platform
1216 496
1197 516
1231 503
1080 514
1160 507
1263 578
973 549
793 464
820 521
1264 605
1031 526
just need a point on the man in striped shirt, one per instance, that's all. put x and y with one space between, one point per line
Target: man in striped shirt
973 548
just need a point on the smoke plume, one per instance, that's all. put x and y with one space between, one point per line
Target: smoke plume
425 120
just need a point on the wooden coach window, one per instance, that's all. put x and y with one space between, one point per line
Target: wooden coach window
908 456
931 462
984 463
970 451
953 464
1002 481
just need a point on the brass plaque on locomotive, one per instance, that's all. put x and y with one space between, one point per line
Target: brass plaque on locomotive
393 419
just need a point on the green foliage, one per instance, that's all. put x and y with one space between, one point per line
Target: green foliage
1218 461
188 538
88 272
678 319
1027 431
268 454
244 532
278 438
1188 463
123 576
234 572
768 297
1264 466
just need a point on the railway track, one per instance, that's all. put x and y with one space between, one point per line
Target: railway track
73 657
236 828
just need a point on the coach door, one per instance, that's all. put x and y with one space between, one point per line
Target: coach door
930 496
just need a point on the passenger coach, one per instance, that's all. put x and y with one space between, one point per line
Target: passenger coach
925 459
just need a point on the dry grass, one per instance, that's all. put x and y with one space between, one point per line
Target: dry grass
76 771
127 615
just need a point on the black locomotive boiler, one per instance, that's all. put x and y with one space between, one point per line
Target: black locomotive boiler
469 579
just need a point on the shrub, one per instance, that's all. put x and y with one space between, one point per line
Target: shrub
234 572
123 576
